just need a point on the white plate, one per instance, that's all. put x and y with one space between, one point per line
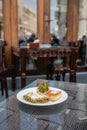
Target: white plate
25 91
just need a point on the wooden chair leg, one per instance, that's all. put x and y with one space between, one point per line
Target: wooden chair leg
63 76
57 76
49 74
2 91
5 87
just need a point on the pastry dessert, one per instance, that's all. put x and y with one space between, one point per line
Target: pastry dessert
53 95
35 98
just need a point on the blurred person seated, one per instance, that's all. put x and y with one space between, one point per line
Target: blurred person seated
55 41
32 38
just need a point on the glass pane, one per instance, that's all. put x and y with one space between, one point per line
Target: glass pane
27 24
27 17
58 17
82 31
1 21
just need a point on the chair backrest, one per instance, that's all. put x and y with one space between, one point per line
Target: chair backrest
65 57
3 69
76 45
69 62
2 58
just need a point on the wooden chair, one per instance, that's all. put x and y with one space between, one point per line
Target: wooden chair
60 65
61 68
65 67
3 70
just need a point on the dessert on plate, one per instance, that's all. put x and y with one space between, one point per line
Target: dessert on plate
42 94
53 95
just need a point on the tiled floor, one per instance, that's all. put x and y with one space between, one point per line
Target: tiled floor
81 78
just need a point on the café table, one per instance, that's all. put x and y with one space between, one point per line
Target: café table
69 114
23 53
